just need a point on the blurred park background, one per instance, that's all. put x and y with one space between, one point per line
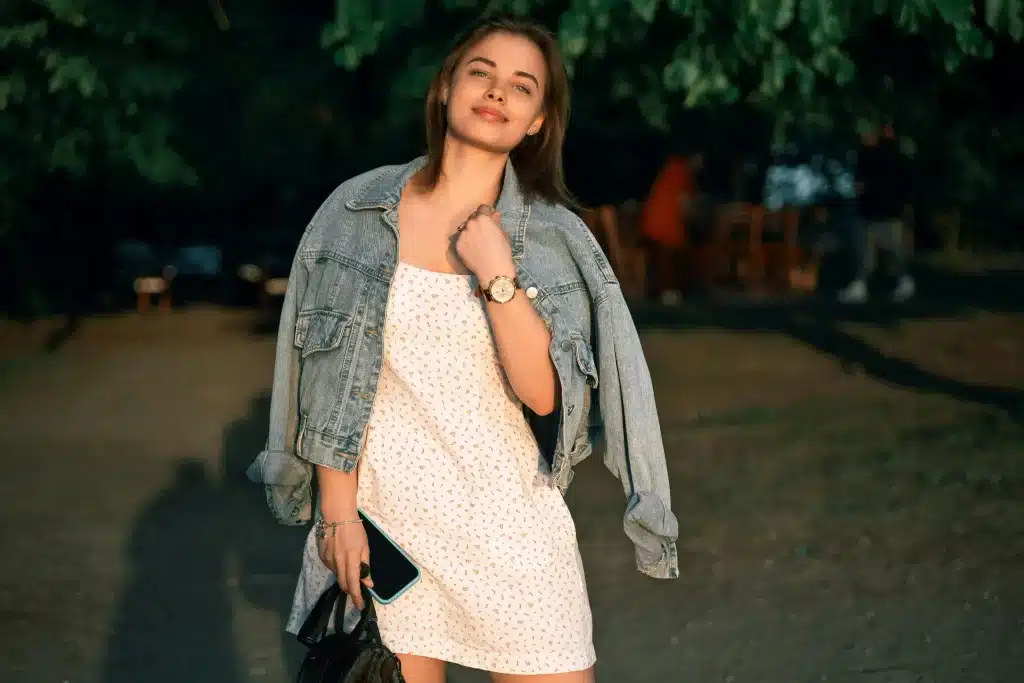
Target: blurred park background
848 478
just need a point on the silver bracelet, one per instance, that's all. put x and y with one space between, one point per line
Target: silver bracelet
322 527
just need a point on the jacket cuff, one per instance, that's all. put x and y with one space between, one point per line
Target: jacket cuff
665 566
321 449
287 483
653 528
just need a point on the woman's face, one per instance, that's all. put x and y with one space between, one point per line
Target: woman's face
496 97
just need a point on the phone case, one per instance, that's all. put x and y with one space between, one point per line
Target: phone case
412 583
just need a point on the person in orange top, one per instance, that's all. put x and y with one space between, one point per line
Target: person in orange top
663 221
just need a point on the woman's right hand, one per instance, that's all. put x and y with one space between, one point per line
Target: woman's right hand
344 550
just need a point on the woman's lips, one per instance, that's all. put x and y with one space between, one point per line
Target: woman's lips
488 114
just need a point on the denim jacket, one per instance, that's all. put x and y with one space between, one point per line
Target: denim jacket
330 350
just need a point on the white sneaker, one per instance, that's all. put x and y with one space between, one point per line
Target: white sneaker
854 293
904 289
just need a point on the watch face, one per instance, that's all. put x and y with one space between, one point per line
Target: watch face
502 290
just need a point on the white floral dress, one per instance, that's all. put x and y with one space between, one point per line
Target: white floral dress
451 471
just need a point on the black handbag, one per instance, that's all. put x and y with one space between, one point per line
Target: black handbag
355 657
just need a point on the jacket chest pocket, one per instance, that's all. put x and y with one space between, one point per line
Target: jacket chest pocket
323 338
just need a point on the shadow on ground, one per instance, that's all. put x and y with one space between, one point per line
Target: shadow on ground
267 553
816 322
175 614
200 543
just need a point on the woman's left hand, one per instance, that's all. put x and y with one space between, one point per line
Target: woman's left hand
483 246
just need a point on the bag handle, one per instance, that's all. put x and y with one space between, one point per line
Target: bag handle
314 628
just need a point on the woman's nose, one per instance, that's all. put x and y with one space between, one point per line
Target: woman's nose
495 94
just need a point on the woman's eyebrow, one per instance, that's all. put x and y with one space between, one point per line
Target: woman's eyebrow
491 63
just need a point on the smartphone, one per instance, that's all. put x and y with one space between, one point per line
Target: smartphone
392 571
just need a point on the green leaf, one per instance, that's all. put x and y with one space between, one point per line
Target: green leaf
23 35
993 11
1015 22
845 70
954 11
785 13
572 34
645 9
805 80
682 72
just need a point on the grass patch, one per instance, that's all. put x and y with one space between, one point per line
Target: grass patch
900 478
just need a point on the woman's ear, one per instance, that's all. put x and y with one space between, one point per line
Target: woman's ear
535 127
444 95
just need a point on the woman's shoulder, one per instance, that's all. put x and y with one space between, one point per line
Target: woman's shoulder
569 239
351 193
360 192
558 218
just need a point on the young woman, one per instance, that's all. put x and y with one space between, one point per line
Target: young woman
436 368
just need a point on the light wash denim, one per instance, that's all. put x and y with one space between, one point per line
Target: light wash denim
330 349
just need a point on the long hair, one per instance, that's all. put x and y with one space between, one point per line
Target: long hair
538 158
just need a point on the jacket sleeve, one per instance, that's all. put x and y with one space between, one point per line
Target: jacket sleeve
634 451
286 477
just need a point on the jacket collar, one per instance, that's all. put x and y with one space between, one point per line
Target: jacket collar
384 190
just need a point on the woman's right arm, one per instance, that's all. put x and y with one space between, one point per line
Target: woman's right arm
278 466
344 547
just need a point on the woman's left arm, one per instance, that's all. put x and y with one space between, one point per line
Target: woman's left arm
522 339
519 332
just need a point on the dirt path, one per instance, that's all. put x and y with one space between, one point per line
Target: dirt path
135 552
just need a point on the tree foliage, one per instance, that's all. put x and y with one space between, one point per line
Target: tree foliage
788 57
93 82
246 101
767 69
90 83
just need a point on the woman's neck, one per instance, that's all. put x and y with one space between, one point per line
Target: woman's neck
469 177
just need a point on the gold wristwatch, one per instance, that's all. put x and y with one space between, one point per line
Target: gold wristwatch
501 289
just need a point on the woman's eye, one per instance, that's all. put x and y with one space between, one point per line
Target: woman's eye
523 89
477 72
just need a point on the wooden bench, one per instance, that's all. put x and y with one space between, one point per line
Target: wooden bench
159 287
757 248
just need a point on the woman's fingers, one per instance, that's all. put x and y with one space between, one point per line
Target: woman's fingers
365 568
339 570
354 588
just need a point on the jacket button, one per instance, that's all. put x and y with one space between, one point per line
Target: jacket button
566 345
531 292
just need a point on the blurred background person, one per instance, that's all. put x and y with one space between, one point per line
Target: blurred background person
663 221
881 196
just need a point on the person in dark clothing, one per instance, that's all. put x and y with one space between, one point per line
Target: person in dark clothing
880 183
